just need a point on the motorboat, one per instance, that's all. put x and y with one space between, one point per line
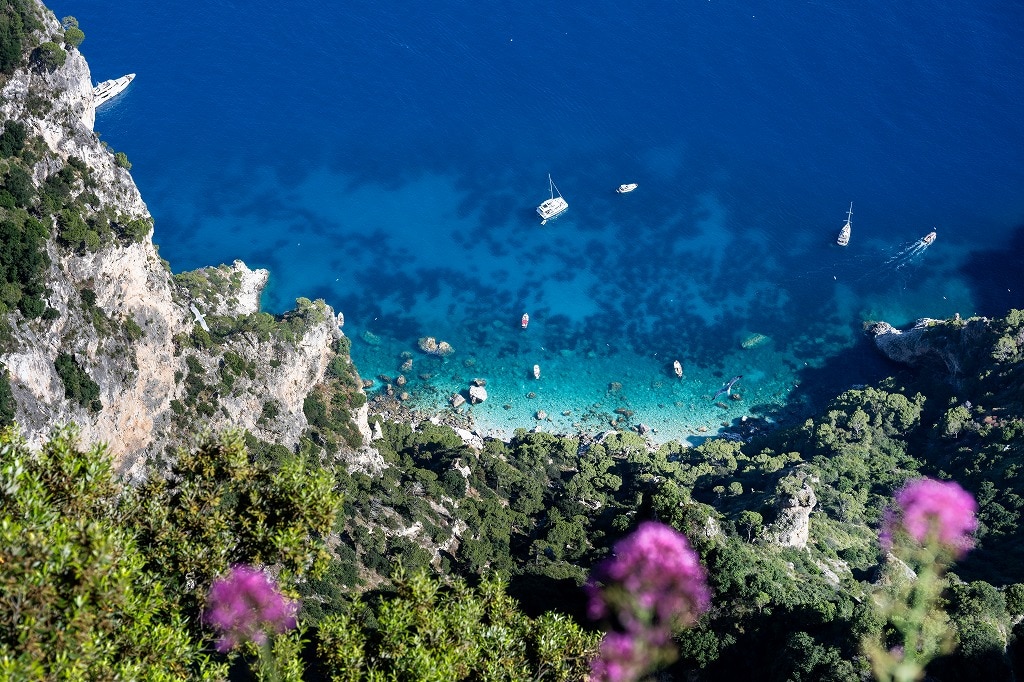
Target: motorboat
677 368
107 90
928 239
554 206
623 189
844 234
526 320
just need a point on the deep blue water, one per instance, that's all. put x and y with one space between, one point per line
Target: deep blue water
389 159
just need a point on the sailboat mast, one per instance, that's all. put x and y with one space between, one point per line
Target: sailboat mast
553 188
849 214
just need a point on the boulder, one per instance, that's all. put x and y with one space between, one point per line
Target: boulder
477 394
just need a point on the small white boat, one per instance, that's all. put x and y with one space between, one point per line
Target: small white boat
109 89
526 320
928 239
554 206
626 188
844 234
536 371
677 367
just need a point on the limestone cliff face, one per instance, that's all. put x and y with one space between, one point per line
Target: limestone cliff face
129 340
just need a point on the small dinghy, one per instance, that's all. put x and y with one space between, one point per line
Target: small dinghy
623 189
525 320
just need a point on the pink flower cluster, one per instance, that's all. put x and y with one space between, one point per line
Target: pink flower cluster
653 582
928 510
246 606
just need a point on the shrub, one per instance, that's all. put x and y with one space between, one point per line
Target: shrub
77 384
49 56
12 139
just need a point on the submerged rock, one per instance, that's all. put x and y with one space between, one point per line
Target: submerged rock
754 340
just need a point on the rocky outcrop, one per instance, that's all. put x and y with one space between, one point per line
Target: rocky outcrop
943 345
792 526
229 290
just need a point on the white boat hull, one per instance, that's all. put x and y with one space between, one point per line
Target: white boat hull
108 90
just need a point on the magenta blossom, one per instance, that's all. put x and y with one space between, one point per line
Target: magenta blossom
246 606
622 659
659 571
930 510
653 581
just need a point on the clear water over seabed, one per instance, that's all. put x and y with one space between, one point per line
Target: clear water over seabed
389 159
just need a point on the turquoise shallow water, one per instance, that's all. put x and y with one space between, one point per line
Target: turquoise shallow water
389 160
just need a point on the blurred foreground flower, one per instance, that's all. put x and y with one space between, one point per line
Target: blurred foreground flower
931 511
653 583
928 528
246 606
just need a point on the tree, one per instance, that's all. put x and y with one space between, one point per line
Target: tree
751 522
73 36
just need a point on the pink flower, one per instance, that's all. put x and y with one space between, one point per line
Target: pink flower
621 659
653 581
660 572
930 510
246 606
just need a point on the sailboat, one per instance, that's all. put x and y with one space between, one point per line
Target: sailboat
554 206
844 234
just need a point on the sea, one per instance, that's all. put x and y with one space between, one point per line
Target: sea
389 158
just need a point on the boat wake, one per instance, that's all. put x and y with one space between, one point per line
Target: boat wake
910 254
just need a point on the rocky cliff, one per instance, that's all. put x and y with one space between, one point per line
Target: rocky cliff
949 347
116 309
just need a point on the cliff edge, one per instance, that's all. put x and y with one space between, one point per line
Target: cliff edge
119 348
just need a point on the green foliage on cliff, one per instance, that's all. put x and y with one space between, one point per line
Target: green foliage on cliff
78 386
49 56
17 21
13 138
7 403
73 35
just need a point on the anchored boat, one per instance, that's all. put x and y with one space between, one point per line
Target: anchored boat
627 188
844 234
110 89
554 206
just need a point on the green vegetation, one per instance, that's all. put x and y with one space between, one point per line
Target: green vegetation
73 35
7 403
17 21
49 56
77 384
121 160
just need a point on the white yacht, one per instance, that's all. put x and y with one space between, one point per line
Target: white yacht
844 234
627 188
554 206
110 89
